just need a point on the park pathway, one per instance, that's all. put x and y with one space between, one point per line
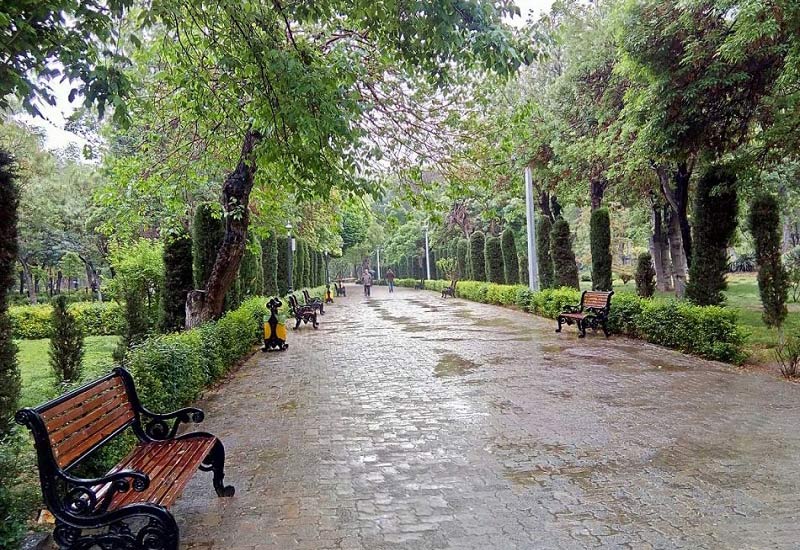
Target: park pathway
407 421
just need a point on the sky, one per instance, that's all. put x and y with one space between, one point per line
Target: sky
58 138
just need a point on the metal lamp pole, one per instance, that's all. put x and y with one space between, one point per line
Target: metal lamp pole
378 251
533 261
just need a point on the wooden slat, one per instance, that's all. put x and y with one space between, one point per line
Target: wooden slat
76 400
81 442
114 401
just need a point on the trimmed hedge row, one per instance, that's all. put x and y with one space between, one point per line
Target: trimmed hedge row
711 332
95 318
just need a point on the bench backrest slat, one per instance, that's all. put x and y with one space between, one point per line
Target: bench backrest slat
596 300
86 419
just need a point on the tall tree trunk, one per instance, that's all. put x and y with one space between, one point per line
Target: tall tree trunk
656 248
597 188
27 273
677 196
544 205
677 255
204 305
59 281
22 282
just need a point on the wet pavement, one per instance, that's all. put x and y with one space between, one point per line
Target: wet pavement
408 421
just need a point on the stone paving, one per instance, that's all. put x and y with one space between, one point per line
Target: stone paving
408 421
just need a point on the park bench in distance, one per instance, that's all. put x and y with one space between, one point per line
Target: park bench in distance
302 314
590 313
450 290
128 507
340 289
315 303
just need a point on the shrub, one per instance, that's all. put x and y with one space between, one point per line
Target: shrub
645 276
773 281
282 267
269 265
493 260
9 369
66 345
447 267
788 357
550 302
565 270
744 263
510 260
462 253
477 244
94 318
625 276
13 511
600 241
546 270
251 275
715 214
136 327
178 282
585 278
298 264
792 261
207 232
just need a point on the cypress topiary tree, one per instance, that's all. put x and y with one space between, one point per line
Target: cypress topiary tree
715 214
477 244
282 265
298 259
565 270
66 344
9 369
600 239
433 255
462 262
452 249
269 265
207 233
322 271
645 276
178 282
493 260
510 260
764 222
307 266
251 274
544 228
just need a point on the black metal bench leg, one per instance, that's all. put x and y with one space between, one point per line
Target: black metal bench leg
582 328
559 320
216 463
297 324
605 329
314 322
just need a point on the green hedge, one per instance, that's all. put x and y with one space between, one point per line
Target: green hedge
95 318
711 332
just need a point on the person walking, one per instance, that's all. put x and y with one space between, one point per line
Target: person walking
366 280
390 279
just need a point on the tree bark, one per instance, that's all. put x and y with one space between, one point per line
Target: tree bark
657 250
28 274
597 189
678 198
544 205
204 305
677 255
59 281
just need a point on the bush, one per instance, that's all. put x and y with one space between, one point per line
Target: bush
546 270
251 273
462 255
66 345
13 509
585 278
715 215
207 232
645 276
493 260
773 281
269 265
94 318
788 356
792 262
178 282
477 244
600 241
510 260
565 270
744 263
282 267
9 369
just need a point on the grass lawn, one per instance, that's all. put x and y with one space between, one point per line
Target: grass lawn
37 377
743 296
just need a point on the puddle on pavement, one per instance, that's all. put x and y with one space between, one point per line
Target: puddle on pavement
288 406
579 475
452 364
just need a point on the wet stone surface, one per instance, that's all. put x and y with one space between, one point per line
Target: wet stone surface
408 421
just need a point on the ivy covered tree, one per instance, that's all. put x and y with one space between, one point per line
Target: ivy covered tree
462 259
764 221
178 282
645 276
269 265
282 265
600 240
715 216
565 269
544 227
510 260
493 260
9 369
66 344
207 232
477 244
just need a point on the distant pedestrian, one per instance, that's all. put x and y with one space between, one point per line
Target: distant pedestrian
366 280
390 278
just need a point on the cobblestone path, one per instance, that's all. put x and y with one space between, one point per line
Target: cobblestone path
411 422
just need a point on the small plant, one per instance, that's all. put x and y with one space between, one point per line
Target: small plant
66 344
788 356
447 267
625 276
645 276
745 263
792 263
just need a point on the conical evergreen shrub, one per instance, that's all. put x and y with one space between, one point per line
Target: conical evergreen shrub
764 222
298 259
547 278
282 265
493 260
645 276
477 244
510 260
207 233
715 214
66 344
251 274
600 239
9 368
178 282
462 259
269 265
565 269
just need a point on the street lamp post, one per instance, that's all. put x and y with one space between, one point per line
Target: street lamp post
290 260
533 261
378 251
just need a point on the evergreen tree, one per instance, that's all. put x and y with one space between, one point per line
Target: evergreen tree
452 249
9 368
66 343
547 277
462 262
645 276
136 324
510 260
323 272
715 214
251 274
298 259
207 233
477 244
565 270
307 266
773 281
282 265
269 265
178 282
433 255
600 237
493 260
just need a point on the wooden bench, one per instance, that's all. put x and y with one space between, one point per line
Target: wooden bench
420 285
301 313
315 303
340 289
592 312
129 506
450 290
